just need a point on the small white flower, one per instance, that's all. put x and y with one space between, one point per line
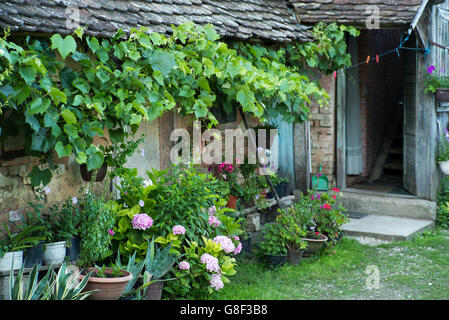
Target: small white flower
259 149
141 203
75 200
142 152
147 183
47 190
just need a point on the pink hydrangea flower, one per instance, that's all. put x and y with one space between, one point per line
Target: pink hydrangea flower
238 249
213 221
212 210
184 265
142 221
178 229
211 262
226 244
216 282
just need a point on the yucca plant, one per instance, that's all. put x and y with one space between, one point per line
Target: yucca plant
135 268
157 263
35 290
65 285
62 285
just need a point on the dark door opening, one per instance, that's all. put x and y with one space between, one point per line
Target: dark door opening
374 118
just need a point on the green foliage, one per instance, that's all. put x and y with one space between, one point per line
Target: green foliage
319 212
273 242
195 282
443 148
63 285
328 51
158 261
121 81
291 231
442 220
97 218
135 268
25 237
182 195
432 82
61 222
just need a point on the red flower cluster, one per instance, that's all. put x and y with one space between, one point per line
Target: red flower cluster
326 206
226 166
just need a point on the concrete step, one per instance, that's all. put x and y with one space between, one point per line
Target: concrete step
374 229
387 204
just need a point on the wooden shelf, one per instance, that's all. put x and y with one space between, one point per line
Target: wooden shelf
28 270
271 203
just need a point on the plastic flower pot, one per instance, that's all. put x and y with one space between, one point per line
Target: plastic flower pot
274 261
294 256
246 245
87 175
315 245
442 94
12 259
108 288
34 255
444 166
73 248
54 253
154 291
232 202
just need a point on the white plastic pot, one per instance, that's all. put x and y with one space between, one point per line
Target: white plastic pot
54 252
444 166
9 258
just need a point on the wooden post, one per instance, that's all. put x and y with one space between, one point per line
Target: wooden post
341 130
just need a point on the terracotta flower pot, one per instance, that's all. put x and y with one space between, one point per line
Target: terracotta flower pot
110 288
232 202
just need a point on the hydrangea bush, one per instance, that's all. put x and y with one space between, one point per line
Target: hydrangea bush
186 208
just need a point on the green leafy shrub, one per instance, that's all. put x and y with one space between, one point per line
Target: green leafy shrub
442 220
186 208
273 242
97 222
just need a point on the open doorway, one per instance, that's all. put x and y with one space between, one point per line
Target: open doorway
374 114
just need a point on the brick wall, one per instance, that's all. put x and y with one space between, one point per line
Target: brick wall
322 132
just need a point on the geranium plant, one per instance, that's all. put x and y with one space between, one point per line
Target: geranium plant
434 80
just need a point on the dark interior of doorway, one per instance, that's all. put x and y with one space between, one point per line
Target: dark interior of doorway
381 105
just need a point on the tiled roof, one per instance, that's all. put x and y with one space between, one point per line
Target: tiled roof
243 19
391 12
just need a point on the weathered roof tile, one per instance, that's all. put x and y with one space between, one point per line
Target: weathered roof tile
265 19
391 12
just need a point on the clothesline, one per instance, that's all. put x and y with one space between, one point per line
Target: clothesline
378 56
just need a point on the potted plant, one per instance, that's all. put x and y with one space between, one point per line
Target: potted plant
229 173
329 216
438 84
96 228
273 245
11 247
442 156
157 263
293 234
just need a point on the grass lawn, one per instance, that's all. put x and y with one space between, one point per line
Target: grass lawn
417 269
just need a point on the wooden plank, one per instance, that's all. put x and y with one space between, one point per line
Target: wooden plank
341 129
166 126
